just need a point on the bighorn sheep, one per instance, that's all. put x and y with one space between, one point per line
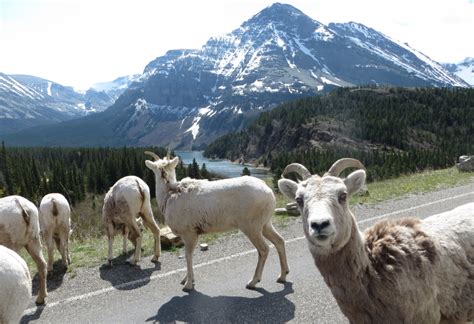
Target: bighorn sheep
55 224
127 200
15 283
397 271
193 207
19 227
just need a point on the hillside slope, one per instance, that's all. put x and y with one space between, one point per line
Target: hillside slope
361 119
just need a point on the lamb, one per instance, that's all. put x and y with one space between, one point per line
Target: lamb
55 224
19 227
397 271
193 207
15 281
127 200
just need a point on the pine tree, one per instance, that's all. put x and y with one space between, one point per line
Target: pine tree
204 173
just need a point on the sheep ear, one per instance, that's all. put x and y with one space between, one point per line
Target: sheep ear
150 165
288 188
174 162
355 181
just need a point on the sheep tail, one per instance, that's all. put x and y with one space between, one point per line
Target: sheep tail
24 213
55 208
142 194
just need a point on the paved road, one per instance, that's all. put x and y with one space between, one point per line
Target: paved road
150 293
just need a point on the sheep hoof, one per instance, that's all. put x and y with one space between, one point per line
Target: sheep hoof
155 259
250 287
40 301
187 289
281 280
109 263
132 261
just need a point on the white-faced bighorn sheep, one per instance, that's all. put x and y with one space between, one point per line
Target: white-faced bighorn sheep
55 224
15 283
126 201
193 207
397 271
19 227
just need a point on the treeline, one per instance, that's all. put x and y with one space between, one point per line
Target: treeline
379 164
75 172
395 123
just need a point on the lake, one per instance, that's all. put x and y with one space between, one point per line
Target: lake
224 168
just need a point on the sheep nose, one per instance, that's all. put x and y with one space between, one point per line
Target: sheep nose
319 226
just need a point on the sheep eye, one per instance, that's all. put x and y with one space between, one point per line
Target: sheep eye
163 173
300 201
342 197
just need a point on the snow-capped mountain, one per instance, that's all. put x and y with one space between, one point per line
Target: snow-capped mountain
190 97
27 101
463 69
116 87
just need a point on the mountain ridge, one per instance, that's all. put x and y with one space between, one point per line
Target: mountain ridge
27 101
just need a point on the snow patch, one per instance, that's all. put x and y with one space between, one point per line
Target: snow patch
18 88
466 73
321 33
49 88
204 111
327 81
141 105
194 129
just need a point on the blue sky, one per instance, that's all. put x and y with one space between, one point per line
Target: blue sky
81 42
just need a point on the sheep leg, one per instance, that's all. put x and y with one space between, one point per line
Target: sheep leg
63 242
125 240
48 238
68 254
34 249
149 222
273 236
262 248
110 236
138 246
190 242
56 241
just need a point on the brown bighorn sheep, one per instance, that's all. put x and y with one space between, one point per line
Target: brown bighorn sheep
55 224
125 202
194 207
397 271
19 227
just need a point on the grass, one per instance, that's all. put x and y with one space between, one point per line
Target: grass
89 245
413 184
426 181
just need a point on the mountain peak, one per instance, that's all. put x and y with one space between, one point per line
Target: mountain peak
283 8
278 12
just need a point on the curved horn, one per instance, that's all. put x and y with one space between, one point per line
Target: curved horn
298 168
342 164
153 155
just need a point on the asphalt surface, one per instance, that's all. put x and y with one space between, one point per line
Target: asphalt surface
152 293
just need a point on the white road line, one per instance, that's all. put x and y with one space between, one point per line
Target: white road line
230 257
